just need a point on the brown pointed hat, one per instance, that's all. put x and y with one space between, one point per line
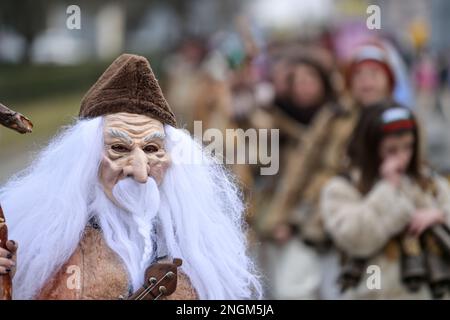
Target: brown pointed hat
128 85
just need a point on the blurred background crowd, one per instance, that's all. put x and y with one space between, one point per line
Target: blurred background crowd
305 67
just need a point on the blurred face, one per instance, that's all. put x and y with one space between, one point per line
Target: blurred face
280 75
400 147
192 51
134 147
370 84
307 88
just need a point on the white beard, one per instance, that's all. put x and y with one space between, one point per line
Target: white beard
129 229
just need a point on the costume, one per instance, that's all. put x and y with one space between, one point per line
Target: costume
367 227
121 189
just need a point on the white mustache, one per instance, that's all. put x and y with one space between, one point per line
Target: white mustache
133 196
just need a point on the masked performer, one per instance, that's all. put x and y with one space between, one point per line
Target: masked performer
119 190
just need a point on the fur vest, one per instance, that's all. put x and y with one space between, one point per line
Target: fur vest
96 272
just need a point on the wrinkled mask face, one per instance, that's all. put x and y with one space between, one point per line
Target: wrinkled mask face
133 147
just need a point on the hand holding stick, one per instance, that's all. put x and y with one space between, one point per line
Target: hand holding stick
5 279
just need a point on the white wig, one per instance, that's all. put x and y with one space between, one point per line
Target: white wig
47 207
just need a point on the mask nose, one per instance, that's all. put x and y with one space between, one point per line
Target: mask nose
137 167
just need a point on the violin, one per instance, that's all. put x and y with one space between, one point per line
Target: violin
160 281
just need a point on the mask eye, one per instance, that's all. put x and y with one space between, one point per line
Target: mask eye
150 148
120 148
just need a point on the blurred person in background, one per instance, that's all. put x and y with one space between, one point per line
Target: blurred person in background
184 77
426 73
313 130
231 87
370 77
378 211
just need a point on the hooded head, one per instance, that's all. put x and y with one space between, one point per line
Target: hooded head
151 187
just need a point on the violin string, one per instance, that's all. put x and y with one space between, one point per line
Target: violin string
147 290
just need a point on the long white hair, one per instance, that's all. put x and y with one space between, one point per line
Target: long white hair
200 215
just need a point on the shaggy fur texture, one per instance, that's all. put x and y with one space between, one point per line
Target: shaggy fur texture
102 275
128 85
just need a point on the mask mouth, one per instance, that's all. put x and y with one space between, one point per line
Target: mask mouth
134 197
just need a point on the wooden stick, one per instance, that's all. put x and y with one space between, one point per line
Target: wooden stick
5 279
15 120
